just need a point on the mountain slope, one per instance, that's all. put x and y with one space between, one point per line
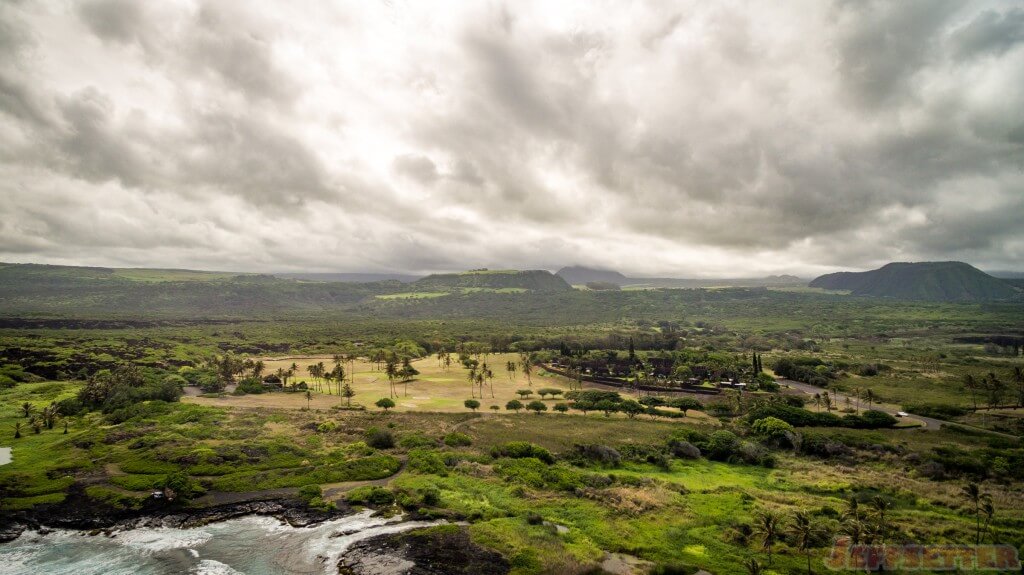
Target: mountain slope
578 275
931 281
532 280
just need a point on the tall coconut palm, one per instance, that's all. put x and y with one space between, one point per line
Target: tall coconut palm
805 532
880 507
768 524
976 497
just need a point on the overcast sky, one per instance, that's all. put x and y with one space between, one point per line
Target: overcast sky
676 138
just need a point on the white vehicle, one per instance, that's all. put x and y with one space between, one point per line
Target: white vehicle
902 414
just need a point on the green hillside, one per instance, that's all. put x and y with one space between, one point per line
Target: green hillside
930 281
503 280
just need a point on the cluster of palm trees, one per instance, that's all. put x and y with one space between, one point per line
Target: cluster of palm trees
823 399
47 417
993 389
863 524
981 501
771 526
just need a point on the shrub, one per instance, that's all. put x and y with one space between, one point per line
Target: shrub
456 439
561 407
878 419
936 410
371 495
378 438
521 449
684 449
471 404
771 428
384 403
416 440
595 454
327 426
69 406
427 461
722 445
181 485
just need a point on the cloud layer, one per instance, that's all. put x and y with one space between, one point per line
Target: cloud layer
694 139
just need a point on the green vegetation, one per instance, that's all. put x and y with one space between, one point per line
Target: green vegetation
241 399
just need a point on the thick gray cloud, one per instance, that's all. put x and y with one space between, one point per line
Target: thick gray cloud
694 139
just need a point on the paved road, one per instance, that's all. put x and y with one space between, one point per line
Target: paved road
839 399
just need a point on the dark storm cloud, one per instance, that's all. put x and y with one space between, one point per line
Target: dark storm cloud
793 137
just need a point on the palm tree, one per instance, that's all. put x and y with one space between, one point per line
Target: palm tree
768 523
527 366
27 408
870 398
989 511
881 507
753 566
1018 378
971 385
391 371
974 495
817 401
471 376
510 367
17 430
805 532
856 394
827 401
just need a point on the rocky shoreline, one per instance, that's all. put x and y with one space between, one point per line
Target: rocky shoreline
445 550
82 514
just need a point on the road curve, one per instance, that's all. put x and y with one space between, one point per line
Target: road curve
839 398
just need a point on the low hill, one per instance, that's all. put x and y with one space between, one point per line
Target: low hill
361 278
507 280
930 281
578 275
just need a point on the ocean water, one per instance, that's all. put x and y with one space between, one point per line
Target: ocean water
248 545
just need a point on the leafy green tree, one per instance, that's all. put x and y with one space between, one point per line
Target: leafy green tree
631 408
552 391
385 403
495 408
606 406
561 408
471 404
514 405
524 393
537 406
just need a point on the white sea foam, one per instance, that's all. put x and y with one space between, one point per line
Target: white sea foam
211 567
163 539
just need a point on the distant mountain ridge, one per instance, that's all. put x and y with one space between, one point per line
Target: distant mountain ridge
930 281
531 280
579 275
348 277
